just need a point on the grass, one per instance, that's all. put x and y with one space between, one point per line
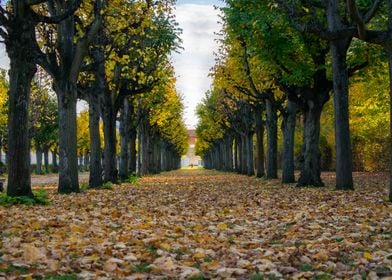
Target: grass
107 186
132 179
143 267
11 268
197 277
40 197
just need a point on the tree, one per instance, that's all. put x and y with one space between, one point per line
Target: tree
44 121
329 20
18 21
65 45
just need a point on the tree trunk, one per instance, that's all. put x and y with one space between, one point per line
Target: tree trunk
259 143
68 167
132 150
143 147
311 156
54 160
46 158
109 131
344 179
250 164
236 156
124 139
86 161
38 153
272 141
288 143
243 155
22 70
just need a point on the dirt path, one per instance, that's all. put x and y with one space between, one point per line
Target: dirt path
205 225
52 179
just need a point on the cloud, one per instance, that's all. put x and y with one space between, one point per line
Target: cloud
199 23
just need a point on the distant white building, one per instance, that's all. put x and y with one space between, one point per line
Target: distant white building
190 158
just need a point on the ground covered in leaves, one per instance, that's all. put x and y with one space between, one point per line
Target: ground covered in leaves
198 224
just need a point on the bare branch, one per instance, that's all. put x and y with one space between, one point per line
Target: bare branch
370 14
247 70
356 17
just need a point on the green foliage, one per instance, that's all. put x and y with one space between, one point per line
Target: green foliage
84 187
133 179
107 186
12 268
40 197
197 277
143 267
305 267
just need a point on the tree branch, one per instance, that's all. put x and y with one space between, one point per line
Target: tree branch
83 43
356 17
57 18
370 14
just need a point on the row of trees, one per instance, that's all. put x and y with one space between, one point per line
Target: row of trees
280 61
113 54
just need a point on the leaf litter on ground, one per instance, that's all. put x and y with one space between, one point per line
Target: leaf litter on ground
198 224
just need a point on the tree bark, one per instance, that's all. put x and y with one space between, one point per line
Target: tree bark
132 150
243 155
95 176
143 147
288 143
344 179
124 139
68 165
21 73
250 161
54 160
46 158
236 154
109 131
259 127
311 155
272 141
38 153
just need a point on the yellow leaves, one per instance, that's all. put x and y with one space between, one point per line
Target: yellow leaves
77 229
165 246
35 225
368 256
221 226
199 255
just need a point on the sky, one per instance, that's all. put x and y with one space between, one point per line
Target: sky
198 20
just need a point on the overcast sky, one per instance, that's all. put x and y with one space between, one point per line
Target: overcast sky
199 21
